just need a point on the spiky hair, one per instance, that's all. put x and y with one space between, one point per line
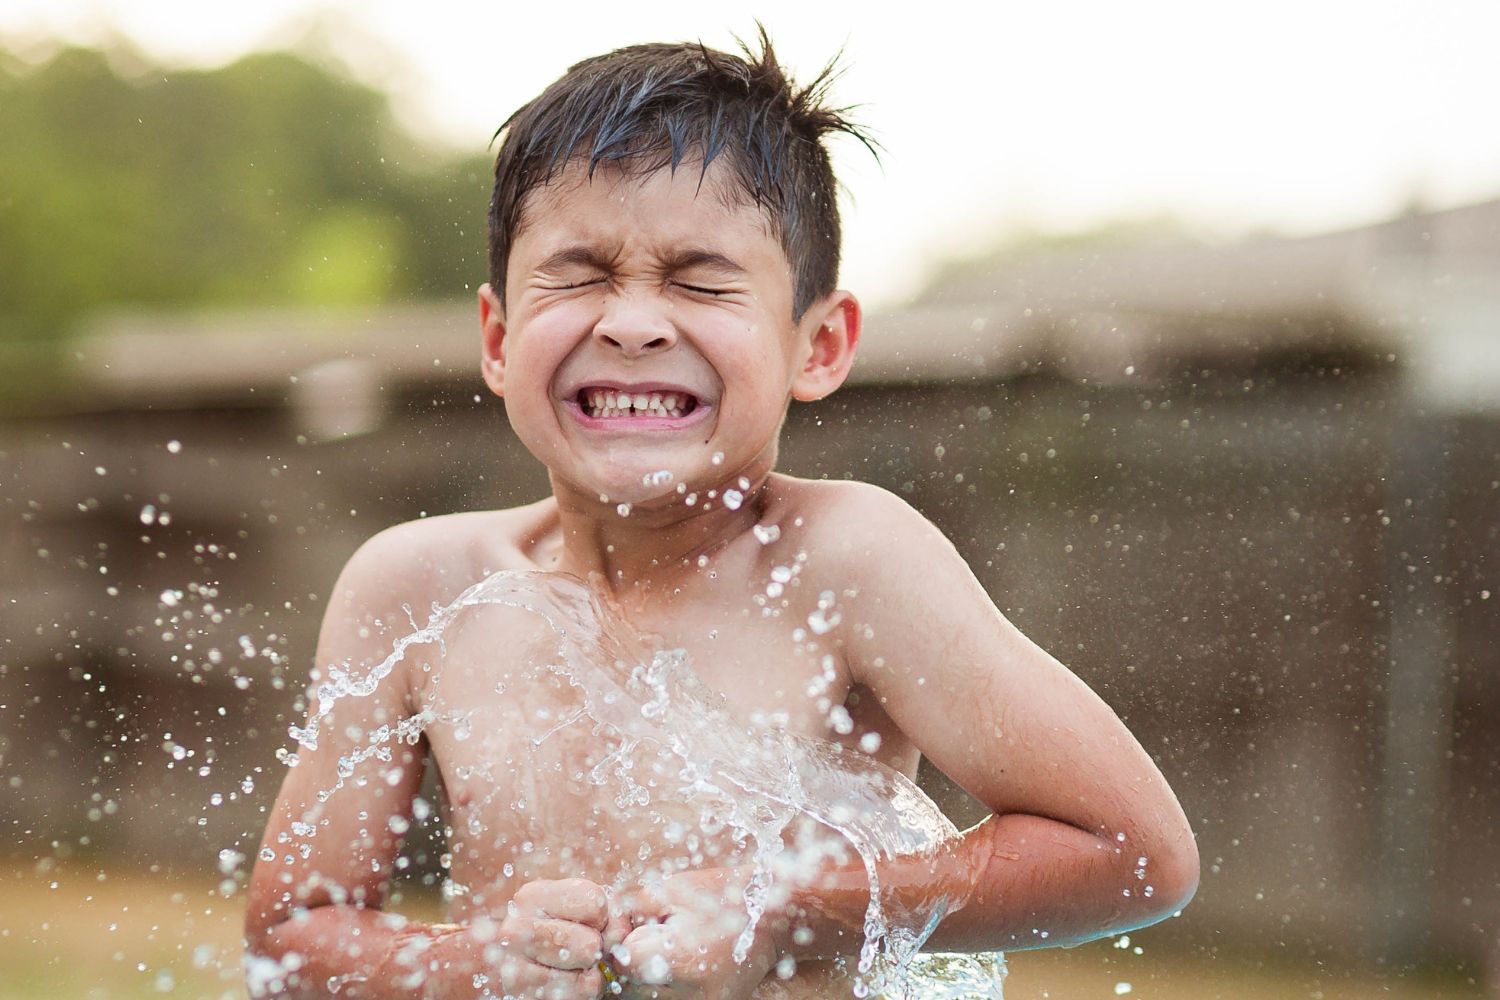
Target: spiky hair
648 107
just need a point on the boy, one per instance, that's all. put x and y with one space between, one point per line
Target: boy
663 255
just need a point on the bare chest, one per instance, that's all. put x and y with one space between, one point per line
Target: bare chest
592 762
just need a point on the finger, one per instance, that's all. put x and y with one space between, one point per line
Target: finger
561 944
575 899
646 954
618 928
522 978
640 904
585 985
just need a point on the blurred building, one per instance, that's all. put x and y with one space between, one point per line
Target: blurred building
1249 493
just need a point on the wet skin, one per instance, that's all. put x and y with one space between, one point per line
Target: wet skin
627 287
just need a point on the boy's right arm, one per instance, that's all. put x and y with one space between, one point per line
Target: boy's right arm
313 925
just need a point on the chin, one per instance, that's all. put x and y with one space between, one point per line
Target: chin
636 485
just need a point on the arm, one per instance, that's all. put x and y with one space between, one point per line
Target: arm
313 925
315 897
1075 801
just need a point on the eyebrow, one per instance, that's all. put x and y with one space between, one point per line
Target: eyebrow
691 257
675 261
578 253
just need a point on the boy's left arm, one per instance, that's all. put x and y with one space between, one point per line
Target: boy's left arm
1085 838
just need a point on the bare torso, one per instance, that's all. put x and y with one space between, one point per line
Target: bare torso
532 789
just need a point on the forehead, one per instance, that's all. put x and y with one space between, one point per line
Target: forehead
653 211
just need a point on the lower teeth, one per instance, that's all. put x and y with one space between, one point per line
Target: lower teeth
608 413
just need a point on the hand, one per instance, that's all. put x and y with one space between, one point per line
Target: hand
549 945
682 943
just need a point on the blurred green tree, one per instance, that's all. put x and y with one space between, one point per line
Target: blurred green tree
270 180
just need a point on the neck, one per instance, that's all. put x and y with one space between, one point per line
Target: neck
658 542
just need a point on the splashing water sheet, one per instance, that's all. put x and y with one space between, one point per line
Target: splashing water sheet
664 768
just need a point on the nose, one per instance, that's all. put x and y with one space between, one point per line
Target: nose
634 327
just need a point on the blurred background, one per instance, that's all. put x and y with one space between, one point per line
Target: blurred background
1184 324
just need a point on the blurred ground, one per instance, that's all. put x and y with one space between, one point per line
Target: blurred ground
69 933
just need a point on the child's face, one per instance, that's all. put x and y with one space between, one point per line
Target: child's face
665 292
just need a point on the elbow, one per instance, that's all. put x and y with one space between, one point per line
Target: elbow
266 951
260 922
1169 879
1182 878
272 968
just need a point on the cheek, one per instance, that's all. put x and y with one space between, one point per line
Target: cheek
547 341
748 345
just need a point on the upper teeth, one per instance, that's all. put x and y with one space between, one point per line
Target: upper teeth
613 403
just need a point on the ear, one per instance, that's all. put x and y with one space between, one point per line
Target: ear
492 332
831 328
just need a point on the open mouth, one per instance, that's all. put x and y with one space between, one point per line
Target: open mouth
605 404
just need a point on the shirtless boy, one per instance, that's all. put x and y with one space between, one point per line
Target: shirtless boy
663 263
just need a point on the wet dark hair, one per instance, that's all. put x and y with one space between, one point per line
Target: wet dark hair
646 107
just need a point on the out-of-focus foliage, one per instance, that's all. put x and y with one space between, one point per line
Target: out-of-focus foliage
271 180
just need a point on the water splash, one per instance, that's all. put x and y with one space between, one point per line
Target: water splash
666 752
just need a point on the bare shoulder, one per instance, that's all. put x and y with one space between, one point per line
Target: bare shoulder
859 527
436 558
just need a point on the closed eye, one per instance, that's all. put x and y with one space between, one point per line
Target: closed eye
704 291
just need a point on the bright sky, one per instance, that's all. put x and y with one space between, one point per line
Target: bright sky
1293 115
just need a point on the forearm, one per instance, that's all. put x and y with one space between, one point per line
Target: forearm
1038 883
358 953
1023 882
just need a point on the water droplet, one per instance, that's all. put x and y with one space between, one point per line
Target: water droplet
655 971
718 458
733 499
1122 988
766 533
869 742
170 597
822 621
623 509
174 446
